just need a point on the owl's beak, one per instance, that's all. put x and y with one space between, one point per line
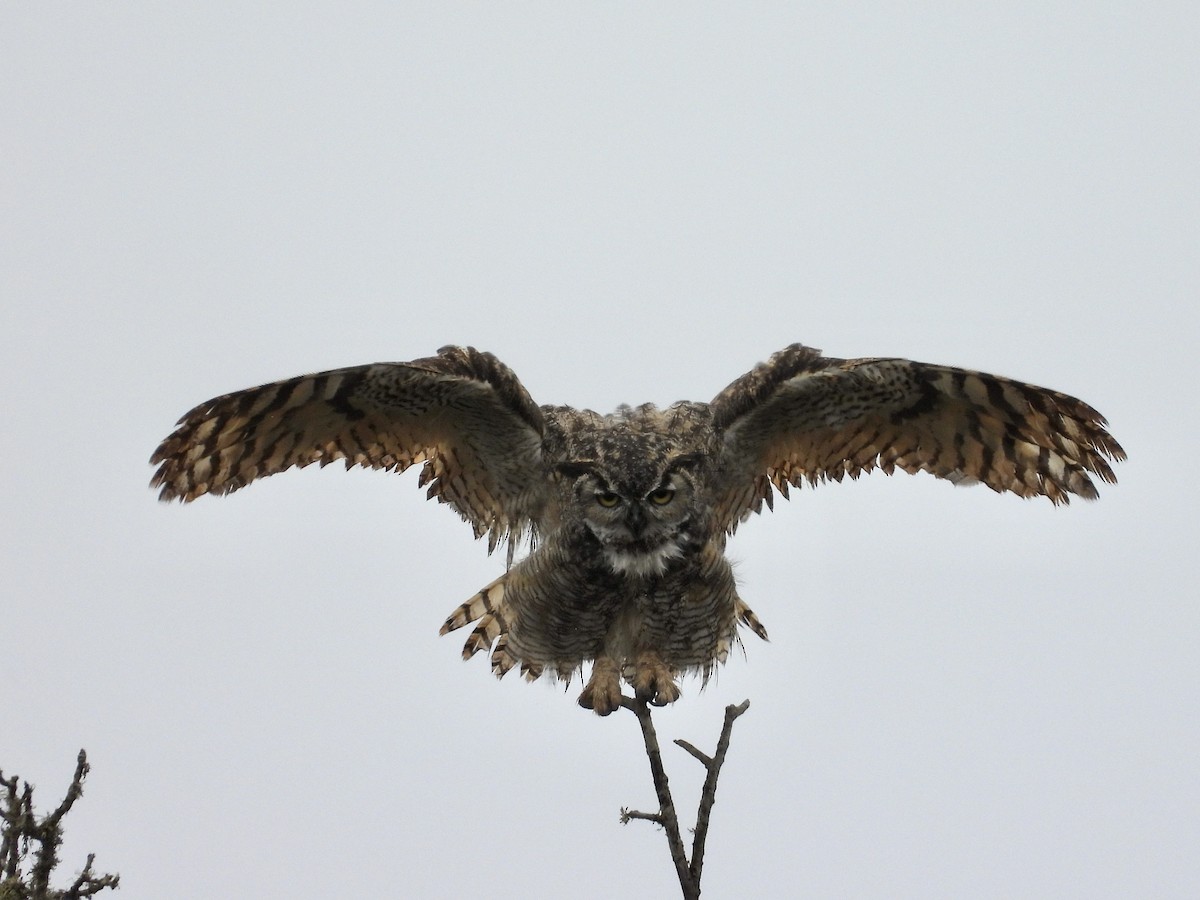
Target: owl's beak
635 520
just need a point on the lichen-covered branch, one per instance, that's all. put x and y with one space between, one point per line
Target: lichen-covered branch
27 840
688 872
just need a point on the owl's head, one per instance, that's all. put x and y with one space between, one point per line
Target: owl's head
638 508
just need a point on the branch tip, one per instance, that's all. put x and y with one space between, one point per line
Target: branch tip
705 759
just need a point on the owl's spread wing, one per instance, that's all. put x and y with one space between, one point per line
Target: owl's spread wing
802 417
463 413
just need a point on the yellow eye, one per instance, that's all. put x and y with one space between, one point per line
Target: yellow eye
662 496
607 499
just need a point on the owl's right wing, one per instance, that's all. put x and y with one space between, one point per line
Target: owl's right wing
802 417
463 413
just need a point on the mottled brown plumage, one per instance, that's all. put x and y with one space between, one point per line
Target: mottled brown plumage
628 513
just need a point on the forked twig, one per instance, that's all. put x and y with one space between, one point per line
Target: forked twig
689 872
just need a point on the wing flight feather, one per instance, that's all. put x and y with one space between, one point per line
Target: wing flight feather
462 413
805 418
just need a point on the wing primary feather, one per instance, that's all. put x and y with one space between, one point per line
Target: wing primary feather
463 413
802 418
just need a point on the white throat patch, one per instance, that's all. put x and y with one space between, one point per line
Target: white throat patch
645 564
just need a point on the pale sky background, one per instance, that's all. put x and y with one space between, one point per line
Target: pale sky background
966 695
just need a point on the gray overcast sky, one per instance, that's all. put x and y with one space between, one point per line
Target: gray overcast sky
965 694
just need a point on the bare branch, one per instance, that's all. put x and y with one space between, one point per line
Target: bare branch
666 806
74 792
14 827
87 884
689 873
628 815
708 794
48 832
705 759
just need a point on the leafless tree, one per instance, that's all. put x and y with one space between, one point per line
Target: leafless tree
29 844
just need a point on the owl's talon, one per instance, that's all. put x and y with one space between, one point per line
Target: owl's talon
602 695
653 682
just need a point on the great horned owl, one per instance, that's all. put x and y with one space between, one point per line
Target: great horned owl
628 514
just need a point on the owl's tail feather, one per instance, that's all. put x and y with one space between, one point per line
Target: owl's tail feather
502 659
745 615
490 627
494 620
487 601
530 671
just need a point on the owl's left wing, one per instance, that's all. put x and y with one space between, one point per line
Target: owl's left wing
463 413
802 417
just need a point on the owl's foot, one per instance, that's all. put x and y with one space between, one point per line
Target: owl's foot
602 694
652 680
